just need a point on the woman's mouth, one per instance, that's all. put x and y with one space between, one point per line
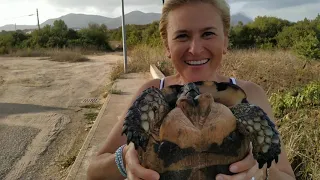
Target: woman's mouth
197 63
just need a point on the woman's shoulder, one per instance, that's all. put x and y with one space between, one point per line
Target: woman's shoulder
256 95
148 84
151 83
251 88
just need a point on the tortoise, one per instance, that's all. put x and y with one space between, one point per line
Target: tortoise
195 131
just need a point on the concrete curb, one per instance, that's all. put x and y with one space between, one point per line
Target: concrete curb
81 155
155 72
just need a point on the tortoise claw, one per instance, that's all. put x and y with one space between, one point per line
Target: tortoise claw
276 159
269 164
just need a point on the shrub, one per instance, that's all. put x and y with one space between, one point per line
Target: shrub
308 46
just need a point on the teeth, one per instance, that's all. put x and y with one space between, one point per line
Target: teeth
197 62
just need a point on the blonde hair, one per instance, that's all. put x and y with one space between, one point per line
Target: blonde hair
170 5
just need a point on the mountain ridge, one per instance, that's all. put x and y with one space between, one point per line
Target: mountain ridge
78 20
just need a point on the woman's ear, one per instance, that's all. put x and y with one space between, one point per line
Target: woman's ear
226 44
168 54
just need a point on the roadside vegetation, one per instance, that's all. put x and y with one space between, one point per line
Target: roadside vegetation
281 56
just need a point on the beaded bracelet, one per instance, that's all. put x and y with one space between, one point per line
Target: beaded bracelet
267 174
119 161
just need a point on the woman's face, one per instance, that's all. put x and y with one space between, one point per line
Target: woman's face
196 41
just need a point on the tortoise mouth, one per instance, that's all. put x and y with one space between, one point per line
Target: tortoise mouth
190 92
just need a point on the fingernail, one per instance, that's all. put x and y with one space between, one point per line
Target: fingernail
219 178
234 169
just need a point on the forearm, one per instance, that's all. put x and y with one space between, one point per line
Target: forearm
276 174
104 167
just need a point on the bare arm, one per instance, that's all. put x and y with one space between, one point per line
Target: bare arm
103 165
283 169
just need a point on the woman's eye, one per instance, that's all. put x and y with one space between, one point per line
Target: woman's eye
181 36
206 34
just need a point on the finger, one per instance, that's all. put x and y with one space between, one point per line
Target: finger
255 172
247 175
240 176
243 165
129 159
131 162
131 176
134 167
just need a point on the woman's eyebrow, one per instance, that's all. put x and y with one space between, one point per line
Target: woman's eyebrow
179 31
208 28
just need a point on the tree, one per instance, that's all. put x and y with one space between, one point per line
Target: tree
308 46
95 35
267 28
291 34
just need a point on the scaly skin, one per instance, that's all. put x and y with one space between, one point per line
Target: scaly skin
144 117
254 122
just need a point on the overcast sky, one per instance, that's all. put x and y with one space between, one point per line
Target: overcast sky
17 11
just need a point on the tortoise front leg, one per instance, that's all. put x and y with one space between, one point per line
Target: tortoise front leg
144 117
254 122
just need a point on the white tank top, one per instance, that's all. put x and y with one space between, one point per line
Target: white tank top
233 80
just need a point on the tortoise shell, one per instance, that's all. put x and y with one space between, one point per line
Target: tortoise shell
195 131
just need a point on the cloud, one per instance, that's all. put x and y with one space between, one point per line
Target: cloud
274 4
99 3
110 8
102 5
289 9
294 14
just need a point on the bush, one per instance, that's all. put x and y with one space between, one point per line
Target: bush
67 56
3 50
298 114
308 96
308 46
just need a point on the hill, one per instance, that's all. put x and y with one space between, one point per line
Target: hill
78 21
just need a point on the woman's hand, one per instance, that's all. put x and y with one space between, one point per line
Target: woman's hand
134 170
246 169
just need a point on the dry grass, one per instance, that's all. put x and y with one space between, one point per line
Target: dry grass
28 53
139 60
301 134
92 106
275 71
67 56
116 71
278 72
91 117
115 91
142 56
61 55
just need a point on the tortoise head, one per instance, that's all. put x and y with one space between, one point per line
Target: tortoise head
193 103
189 93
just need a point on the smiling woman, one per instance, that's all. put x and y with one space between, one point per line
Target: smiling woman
195 34
195 38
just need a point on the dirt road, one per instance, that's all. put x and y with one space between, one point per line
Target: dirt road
42 113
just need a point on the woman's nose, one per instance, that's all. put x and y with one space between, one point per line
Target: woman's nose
196 47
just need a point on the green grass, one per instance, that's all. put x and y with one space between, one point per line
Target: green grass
90 117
